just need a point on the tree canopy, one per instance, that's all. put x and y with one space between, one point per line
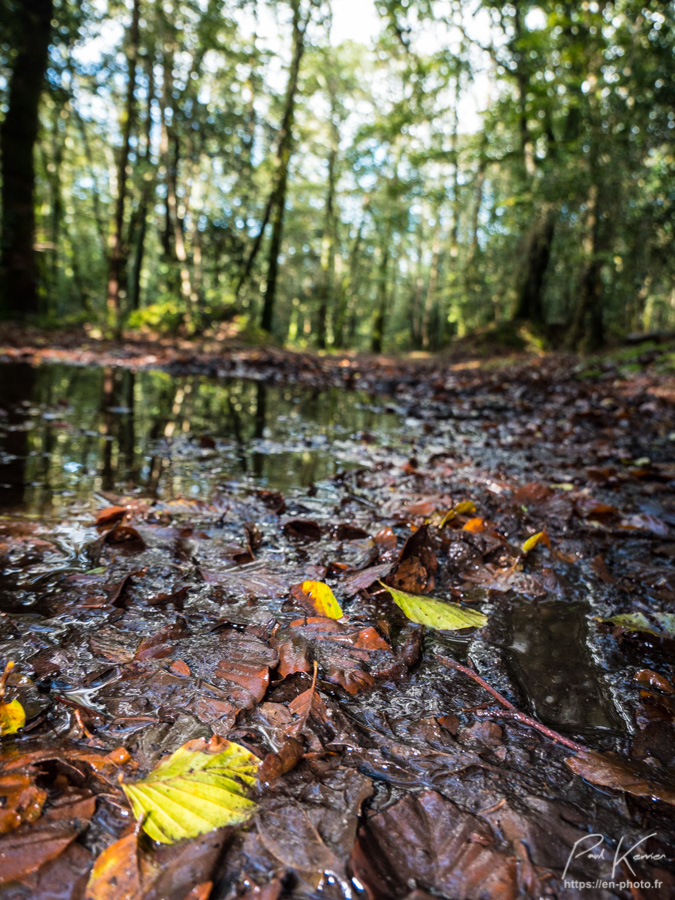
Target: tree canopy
188 163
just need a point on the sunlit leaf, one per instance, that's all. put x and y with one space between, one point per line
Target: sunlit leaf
474 525
323 599
663 625
200 787
541 537
436 613
12 717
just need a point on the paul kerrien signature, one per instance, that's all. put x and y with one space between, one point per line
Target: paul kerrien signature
580 849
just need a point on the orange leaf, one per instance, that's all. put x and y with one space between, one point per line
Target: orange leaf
474 525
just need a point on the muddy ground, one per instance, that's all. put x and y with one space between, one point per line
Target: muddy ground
153 537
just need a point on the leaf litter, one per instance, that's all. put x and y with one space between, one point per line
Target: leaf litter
141 626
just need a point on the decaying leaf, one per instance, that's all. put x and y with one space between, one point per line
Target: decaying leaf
320 598
347 655
116 874
436 613
200 787
541 537
612 772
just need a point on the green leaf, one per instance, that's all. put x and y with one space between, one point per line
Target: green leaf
665 626
198 788
436 613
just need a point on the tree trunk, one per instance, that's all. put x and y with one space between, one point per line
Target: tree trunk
283 158
146 196
18 266
327 285
116 261
379 321
530 304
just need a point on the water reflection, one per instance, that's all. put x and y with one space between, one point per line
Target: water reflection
67 432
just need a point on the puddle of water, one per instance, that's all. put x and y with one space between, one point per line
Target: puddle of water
67 432
550 659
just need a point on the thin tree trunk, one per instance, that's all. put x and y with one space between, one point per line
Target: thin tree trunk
379 321
146 194
18 265
116 261
348 293
284 157
327 285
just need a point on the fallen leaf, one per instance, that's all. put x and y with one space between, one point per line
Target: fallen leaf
427 841
302 530
347 655
653 679
613 772
319 598
21 800
116 874
436 613
12 717
110 515
200 787
474 525
664 627
24 851
541 537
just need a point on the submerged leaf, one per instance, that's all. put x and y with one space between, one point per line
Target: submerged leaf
198 788
436 613
622 775
323 599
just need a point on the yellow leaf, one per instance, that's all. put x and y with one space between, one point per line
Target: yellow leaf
436 613
12 717
541 537
200 787
323 599
463 508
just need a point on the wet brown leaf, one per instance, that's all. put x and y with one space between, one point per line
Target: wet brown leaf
30 847
613 772
426 840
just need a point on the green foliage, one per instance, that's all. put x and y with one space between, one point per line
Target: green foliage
409 223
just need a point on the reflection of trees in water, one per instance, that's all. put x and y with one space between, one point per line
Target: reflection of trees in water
111 429
17 386
117 428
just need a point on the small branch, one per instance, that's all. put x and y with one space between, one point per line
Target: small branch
451 664
510 711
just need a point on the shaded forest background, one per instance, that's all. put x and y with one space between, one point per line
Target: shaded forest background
170 165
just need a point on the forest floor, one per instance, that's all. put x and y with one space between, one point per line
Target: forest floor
139 620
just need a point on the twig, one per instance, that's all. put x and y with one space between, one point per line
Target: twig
510 711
